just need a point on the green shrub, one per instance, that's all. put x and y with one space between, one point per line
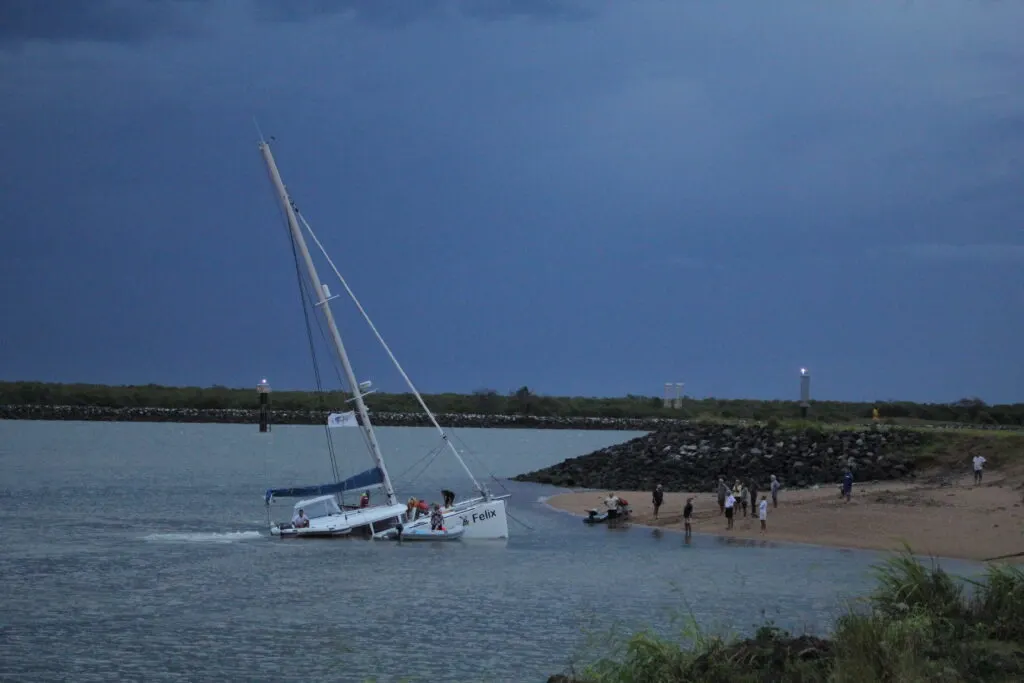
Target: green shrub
919 625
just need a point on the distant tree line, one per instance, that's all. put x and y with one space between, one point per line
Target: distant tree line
522 401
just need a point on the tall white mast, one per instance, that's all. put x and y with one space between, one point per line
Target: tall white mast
322 301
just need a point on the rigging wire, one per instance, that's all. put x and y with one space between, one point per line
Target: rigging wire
516 519
303 295
391 355
468 451
433 456
334 361
429 454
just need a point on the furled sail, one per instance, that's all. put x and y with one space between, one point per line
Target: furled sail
367 479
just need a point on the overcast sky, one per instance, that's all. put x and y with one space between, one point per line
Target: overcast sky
585 197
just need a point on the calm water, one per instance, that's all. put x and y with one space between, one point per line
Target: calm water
139 551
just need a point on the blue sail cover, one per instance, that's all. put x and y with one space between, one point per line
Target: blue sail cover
371 477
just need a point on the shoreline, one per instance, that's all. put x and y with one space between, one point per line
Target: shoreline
319 418
958 521
383 418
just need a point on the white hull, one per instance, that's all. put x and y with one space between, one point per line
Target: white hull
423 535
479 518
361 523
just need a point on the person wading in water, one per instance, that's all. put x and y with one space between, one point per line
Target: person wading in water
687 514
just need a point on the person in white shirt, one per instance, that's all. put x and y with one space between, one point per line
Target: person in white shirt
730 506
614 506
762 513
300 520
979 462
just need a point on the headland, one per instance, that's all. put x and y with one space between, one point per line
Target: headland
912 486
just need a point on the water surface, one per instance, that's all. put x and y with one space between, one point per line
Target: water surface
140 551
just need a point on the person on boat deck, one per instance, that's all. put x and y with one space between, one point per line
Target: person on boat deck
364 500
300 520
436 518
410 506
449 497
422 509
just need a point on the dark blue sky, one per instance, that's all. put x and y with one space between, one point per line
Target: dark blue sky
586 197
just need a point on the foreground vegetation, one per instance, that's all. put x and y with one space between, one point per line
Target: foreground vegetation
921 625
519 402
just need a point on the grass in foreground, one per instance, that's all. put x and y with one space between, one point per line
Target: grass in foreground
921 625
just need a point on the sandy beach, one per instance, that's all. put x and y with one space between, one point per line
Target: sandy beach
944 517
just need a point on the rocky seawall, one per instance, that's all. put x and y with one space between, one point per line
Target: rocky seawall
692 457
296 417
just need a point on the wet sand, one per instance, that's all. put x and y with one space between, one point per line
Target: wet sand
945 518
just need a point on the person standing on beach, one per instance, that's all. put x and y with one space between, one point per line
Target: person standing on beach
753 494
744 495
730 505
657 498
775 492
762 513
723 491
847 485
687 514
979 463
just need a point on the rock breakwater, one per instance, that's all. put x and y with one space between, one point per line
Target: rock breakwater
692 457
302 417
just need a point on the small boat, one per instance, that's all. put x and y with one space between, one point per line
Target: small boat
621 513
421 534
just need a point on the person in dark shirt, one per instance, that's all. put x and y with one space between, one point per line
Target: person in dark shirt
657 498
449 497
687 514
752 488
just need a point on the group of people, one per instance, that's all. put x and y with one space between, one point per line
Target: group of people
728 498
416 508
744 496
740 494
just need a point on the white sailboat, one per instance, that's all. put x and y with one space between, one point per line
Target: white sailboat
482 517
